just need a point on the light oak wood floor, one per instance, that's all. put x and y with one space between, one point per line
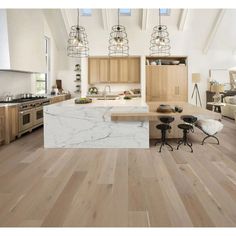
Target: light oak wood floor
119 187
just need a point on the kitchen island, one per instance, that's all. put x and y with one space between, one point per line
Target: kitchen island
70 125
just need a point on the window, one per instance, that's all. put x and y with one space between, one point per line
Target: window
86 12
125 12
42 80
165 11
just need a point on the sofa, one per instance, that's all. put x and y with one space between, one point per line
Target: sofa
229 110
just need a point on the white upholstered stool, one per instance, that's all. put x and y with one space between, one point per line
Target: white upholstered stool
210 128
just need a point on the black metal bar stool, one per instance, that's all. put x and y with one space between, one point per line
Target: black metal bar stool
164 127
186 127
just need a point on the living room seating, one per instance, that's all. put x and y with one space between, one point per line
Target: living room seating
229 110
210 128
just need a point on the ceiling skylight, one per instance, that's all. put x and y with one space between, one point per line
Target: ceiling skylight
86 12
165 11
125 12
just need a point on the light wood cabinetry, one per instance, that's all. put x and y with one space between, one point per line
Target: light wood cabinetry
93 70
114 70
59 98
123 69
11 123
134 70
2 125
166 82
104 70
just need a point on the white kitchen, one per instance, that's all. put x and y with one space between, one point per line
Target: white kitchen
117 117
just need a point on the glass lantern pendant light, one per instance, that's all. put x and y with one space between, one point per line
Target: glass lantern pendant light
77 42
118 41
160 42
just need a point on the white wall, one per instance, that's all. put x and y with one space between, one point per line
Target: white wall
14 83
17 82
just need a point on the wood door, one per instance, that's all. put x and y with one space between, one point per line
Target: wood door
94 65
103 70
114 70
2 125
177 83
156 83
134 70
11 123
124 70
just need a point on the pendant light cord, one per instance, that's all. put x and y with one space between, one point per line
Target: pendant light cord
159 16
118 16
77 17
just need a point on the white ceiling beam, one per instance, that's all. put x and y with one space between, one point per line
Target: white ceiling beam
66 20
213 31
106 19
183 19
145 17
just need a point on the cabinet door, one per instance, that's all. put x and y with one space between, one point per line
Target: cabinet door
124 70
114 70
93 70
2 125
134 70
156 83
177 83
104 70
12 123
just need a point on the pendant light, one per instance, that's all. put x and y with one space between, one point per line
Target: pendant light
118 41
77 42
160 42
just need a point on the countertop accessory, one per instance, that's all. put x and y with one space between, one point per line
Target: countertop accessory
77 42
163 108
93 90
83 100
160 42
175 62
118 41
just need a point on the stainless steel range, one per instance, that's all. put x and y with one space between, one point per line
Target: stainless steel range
30 112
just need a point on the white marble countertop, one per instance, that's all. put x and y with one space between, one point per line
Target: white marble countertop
135 102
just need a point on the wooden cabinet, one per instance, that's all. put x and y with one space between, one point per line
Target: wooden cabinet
166 83
59 98
177 83
93 70
104 70
123 69
11 123
156 83
134 70
114 70
2 125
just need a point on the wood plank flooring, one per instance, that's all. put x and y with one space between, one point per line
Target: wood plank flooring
119 187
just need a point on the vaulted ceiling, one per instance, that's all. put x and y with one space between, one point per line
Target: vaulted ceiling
195 29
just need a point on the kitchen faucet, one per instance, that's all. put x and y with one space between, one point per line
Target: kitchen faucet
104 90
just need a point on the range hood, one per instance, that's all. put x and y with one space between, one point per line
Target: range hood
22 40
